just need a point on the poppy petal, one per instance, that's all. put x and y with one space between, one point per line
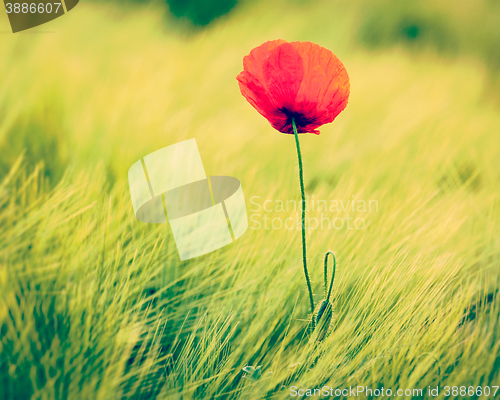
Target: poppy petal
254 61
251 81
325 83
283 73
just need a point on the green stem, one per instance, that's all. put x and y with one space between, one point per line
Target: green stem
301 177
327 296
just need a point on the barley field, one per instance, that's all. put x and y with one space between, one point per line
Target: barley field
97 305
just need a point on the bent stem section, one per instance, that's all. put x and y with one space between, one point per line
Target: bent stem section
301 178
327 295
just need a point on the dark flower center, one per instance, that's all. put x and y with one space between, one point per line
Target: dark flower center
300 119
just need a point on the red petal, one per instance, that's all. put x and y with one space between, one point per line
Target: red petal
283 73
325 84
254 61
251 80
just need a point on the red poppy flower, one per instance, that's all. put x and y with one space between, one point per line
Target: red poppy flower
299 80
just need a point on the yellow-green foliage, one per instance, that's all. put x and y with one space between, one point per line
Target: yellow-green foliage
96 305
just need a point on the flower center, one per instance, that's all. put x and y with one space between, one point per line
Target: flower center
300 119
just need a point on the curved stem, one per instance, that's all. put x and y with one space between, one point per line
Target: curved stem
301 178
327 296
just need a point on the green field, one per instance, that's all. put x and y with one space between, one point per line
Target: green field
96 305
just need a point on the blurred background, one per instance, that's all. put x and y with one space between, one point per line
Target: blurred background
94 304
127 47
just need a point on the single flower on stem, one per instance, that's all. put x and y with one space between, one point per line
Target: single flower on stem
297 87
